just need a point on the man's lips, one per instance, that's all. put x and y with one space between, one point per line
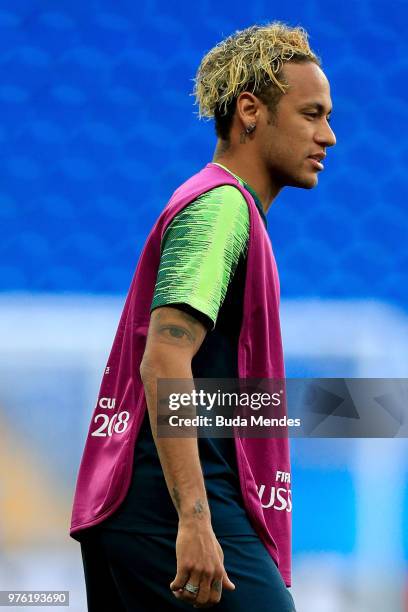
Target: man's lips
316 160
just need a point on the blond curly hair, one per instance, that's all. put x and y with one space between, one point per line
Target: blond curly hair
248 60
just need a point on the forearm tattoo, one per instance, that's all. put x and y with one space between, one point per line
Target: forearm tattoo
176 497
199 509
199 506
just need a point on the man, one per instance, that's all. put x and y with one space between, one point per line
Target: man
204 522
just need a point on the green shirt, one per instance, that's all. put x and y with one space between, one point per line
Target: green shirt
200 252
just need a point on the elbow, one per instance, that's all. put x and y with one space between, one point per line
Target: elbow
164 364
146 369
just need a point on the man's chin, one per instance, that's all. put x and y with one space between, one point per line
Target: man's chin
312 182
305 182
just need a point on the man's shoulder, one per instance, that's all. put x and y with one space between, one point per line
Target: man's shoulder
210 178
226 201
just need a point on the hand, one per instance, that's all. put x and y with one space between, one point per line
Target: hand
200 562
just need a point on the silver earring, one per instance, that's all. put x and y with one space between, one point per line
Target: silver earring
250 128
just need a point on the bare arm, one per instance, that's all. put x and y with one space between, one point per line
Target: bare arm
174 337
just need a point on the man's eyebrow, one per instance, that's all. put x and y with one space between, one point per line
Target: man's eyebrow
319 107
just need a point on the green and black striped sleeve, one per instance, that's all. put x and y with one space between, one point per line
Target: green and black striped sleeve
200 252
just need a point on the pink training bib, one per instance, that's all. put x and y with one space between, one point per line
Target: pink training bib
263 463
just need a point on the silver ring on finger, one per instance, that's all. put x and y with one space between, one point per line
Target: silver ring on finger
191 588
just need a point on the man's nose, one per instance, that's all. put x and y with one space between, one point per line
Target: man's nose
325 136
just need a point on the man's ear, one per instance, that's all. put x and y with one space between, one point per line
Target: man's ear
247 109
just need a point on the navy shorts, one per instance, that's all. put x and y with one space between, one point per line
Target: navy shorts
131 572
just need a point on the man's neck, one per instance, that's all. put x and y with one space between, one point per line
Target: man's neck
249 171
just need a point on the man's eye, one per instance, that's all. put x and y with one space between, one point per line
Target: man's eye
311 114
